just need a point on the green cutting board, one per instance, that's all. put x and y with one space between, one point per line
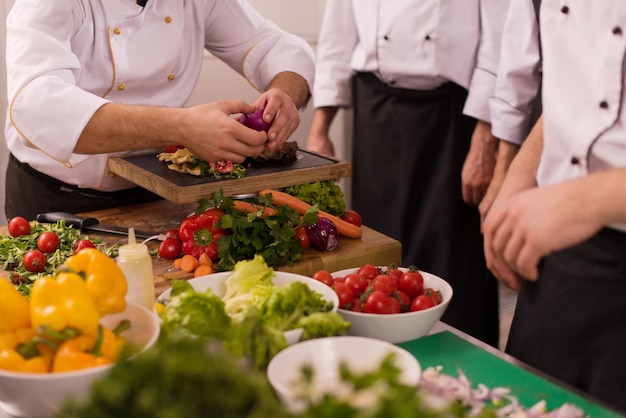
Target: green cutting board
480 366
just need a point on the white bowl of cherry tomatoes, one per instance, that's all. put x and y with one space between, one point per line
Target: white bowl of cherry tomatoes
393 304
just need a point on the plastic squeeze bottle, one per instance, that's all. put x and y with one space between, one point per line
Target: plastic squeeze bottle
136 263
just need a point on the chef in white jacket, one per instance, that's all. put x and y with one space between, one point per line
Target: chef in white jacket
93 79
557 230
418 75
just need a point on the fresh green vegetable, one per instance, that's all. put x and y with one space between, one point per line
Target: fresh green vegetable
249 284
176 379
272 237
327 194
13 250
322 324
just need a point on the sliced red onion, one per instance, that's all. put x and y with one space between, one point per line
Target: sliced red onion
255 121
323 234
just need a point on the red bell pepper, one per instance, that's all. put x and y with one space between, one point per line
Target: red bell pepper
199 234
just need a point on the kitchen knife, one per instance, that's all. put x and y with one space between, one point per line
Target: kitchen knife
91 224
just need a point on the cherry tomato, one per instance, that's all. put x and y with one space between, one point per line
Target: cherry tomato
369 271
302 237
356 305
395 272
19 226
170 248
403 298
324 277
421 302
173 148
357 282
47 242
412 282
344 293
352 217
434 294
379 303
396 307
34 261
385 284
83 243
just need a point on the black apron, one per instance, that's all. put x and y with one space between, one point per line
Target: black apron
571 323
408 152
29 192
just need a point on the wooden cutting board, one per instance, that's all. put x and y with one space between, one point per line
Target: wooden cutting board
163 215
150 173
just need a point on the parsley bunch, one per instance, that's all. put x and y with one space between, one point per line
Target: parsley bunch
251 233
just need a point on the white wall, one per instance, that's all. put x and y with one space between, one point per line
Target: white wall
218 81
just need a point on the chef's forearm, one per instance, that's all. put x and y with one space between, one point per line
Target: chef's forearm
294 85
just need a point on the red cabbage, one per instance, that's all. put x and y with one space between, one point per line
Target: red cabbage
323 234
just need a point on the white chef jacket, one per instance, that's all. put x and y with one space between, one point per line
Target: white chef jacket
518 77
410 44
584 46
67 58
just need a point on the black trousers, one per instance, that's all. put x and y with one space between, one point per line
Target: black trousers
571 323
29 192
408 152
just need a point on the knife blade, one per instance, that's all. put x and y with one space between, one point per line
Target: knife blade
91 224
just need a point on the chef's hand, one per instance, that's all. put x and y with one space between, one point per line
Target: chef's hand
281 112
479 164
533 223
212 133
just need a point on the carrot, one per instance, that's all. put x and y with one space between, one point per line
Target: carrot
246 207
204 259
189 263
177 263
203 270
281 198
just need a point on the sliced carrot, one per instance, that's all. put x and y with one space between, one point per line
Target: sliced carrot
281 198
177 263
246 207
205 259
203 270
189 263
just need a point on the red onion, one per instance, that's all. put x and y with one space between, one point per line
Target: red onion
323 234
255 121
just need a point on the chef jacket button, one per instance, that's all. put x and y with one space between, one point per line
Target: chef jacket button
117 31
121 87
168 19
575 161
565 10
604 104
427 37
171 77
392 82
617 30
386 38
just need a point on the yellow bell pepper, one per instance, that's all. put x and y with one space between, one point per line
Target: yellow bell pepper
104 278
62 307
23 351
14 308
86 351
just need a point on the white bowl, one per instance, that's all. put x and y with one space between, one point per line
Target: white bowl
41 395
217 283
360 354
400 327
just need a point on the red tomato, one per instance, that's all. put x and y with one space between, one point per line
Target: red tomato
385 284
403 298
395 272
173 148
434 294
47 242
344 293
396 307
356 305
352 217
34 261
302 237
83 243
379 303
324 277
369 271
170 248
412 282
19 226
421 302
357 282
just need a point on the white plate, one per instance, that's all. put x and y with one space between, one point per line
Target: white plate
216 282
